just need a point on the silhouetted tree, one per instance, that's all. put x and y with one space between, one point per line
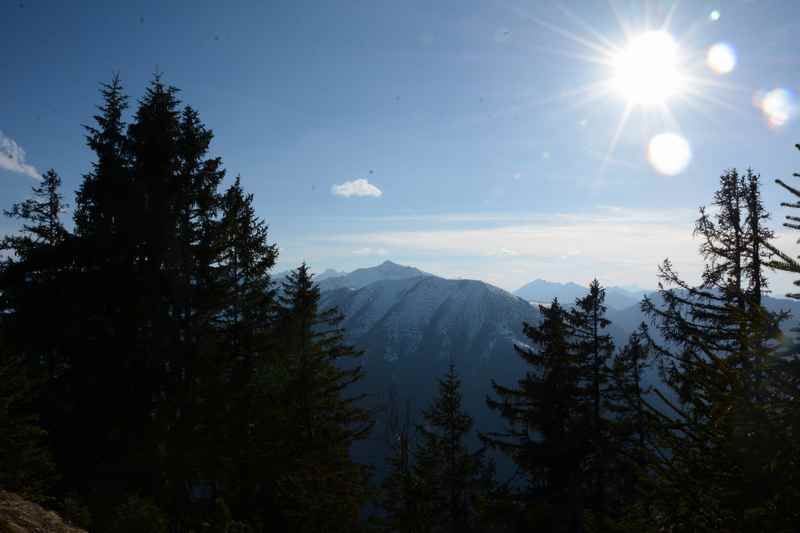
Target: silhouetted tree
629 422
717 438
157 310
452 477
40 216
549 418
309 432
595 348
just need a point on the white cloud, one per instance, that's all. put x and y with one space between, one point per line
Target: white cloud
370 251
618 245
359 187
12 158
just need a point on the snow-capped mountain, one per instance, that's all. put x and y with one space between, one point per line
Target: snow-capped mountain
431 316
411 329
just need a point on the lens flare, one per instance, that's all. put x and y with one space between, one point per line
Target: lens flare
647 72
721 58
669 153
777 105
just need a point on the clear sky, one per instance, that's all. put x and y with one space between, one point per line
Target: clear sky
479 139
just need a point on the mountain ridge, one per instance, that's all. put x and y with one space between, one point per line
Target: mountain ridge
543 291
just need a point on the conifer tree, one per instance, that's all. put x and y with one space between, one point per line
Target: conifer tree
629 422
317 485
716 437
784 261
629 389
40 216
33 296
549 418
101 209
245 324
595 348
451 476
32 307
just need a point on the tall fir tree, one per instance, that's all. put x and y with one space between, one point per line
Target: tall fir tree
549 417
716 438
245 324
163 306
30 294
595 348
452 477
101 209
629 423
308 435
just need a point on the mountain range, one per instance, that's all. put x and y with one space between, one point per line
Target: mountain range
541 291
411 324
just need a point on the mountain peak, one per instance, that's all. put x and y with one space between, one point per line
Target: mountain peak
540 290
364 276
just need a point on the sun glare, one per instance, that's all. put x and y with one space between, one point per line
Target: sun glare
647 71
669 153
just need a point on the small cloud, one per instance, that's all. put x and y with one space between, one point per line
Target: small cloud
371 251
12 158
359 187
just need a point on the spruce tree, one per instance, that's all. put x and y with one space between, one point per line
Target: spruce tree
595 348
30 291
450 474
629 421
40 216
549 417
245 324
101 209
785 376
782 260
33 303
307 436
717 435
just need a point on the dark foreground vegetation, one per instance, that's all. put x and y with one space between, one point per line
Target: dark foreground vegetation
153 377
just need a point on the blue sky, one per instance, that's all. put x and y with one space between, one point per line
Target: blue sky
477 127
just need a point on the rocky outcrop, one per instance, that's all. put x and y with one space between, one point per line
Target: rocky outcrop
21 516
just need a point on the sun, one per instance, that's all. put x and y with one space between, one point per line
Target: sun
652 72
647 71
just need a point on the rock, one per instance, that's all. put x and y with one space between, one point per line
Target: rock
21 516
